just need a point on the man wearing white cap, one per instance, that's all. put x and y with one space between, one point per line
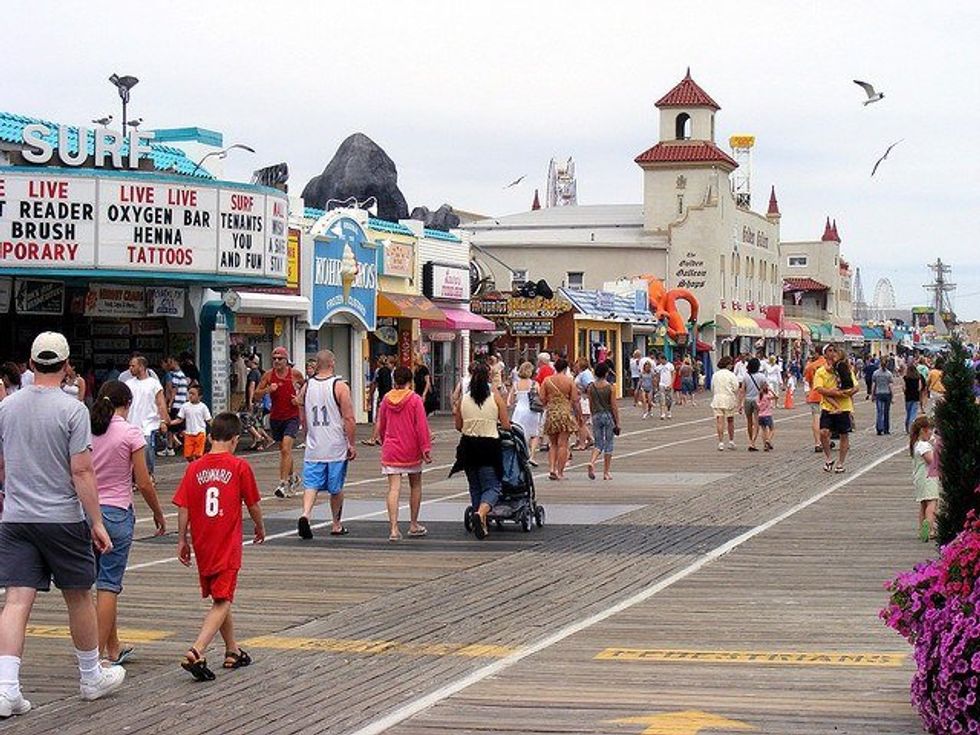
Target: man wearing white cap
46 470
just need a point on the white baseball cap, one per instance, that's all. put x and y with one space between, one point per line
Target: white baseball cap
49 348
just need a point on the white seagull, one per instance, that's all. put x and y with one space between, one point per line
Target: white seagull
135 123
515 182
869 90
887 151
103 121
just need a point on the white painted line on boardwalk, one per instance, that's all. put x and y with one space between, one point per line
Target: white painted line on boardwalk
442 693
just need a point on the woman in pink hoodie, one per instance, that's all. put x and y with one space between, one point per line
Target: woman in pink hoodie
405 445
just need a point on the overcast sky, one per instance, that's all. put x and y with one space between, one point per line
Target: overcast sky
467 96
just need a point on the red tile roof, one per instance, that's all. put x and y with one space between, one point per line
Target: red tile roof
773 204
803 284
685 151
687 94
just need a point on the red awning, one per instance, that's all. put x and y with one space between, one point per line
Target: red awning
792 330
769 327
459 319
852 329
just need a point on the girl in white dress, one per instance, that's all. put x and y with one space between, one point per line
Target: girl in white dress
519 399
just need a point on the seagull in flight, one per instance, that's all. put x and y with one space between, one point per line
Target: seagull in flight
103 121
869 90
516 181
887 151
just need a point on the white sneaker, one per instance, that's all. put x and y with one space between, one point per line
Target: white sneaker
646 415
280 491
13 705
721 446
731 445
110 679
668 414
662 417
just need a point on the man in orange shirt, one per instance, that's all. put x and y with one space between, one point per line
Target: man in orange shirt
813 398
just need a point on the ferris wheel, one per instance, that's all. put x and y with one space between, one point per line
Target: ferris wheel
884 297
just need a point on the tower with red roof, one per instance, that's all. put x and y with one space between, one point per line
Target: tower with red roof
685 168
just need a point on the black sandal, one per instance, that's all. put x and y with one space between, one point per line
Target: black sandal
197 667
236 660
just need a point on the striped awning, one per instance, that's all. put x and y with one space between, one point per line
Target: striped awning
849 333
792 330
732 325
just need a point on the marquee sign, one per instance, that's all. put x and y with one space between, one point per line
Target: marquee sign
134 223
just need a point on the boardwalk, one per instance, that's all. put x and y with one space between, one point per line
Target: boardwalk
697 589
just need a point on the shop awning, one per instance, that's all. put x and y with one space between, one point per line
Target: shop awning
849 333
820 331
737 326
873 333
408 306
458 319
768 326
704 346
792 330
273 304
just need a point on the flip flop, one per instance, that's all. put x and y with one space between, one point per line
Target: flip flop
828 466
342 532
839 469
124 655
394 537
418 532
591 472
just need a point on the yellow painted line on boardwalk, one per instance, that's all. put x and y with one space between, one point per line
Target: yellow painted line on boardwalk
343 645
792 658
130 635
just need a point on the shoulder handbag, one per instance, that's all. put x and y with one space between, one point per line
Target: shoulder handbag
534 399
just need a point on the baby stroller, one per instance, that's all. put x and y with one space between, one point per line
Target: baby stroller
517 501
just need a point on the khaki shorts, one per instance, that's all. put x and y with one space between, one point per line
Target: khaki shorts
724 413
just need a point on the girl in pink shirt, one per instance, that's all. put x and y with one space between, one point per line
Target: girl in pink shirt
117 457
766 400
406 444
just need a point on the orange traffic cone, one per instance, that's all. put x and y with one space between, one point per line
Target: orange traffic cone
788 402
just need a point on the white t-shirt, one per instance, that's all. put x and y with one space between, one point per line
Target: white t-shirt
26 378
143 411
740 370
666 373
635 369
195 416
724 390
922 447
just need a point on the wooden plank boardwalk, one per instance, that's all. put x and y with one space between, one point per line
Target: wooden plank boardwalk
347 631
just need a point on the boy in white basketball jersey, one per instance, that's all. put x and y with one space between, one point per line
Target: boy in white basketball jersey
330 441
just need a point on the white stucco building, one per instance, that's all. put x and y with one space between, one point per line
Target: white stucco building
688 231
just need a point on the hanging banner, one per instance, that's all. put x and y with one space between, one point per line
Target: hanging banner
165 301
107 299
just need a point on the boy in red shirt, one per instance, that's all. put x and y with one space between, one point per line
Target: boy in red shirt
210 501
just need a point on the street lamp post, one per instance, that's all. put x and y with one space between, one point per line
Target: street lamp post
124 84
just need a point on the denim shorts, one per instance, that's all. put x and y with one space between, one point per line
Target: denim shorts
602 429
120 524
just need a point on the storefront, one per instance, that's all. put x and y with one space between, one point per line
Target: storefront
343 288
737 334
525 326
447 341
124 261
600 327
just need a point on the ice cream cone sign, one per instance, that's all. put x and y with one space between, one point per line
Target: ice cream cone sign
348 271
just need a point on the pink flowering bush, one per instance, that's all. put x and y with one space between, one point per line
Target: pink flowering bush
936 607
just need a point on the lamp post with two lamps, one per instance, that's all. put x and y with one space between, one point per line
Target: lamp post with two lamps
124 84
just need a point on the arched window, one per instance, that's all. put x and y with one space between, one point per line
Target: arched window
682 127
